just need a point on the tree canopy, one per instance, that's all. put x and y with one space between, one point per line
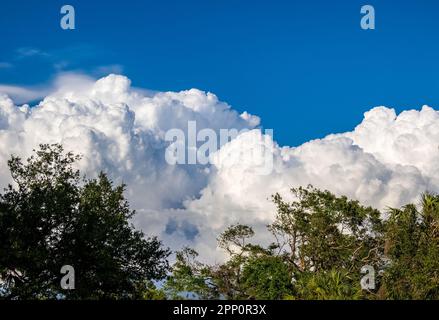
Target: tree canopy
322 242
50 217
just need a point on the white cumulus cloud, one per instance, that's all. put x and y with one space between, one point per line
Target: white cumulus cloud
387 160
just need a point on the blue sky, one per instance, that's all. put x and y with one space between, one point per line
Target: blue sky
306 68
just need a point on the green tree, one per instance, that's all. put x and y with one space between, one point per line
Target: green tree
412 249
267 277
322 241
327 285
229 277
320 232
50 218
189 277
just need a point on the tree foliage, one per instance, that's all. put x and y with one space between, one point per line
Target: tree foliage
413 251
189 277
50 218
321 244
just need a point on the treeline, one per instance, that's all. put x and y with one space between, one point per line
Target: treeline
326 247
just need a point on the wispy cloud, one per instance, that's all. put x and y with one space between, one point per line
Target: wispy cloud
62 82
27 52
23 94
5 65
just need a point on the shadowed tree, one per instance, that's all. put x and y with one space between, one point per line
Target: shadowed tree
50 218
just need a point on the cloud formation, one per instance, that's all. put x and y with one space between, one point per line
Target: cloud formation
387 160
